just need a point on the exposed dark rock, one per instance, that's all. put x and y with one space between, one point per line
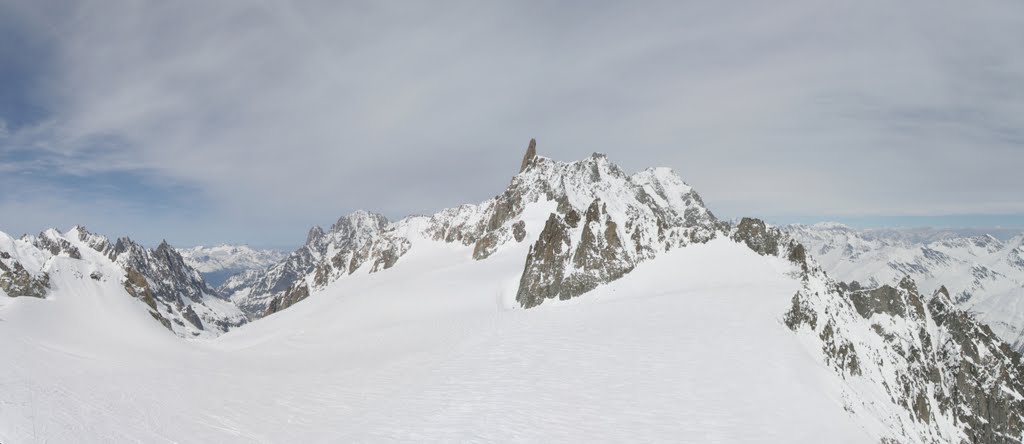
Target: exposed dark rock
800 313
487 244
598 257
296 294
572 218
798 256
935 361
545 264
314 235
506 207
56 246
162 320
889 300
137 286
838 351
519 231
599 254
885 299
191 316
531 152
981 384
388 253
758 236
16 281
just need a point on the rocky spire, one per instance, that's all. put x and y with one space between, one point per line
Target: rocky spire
314 235
531 152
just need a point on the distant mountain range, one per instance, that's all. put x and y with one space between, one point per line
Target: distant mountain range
219 262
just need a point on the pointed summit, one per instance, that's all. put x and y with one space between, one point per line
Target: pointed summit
531 152
314 235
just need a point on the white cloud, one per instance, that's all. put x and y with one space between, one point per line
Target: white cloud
315 108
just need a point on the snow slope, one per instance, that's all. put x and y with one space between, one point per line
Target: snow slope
678 350
176 294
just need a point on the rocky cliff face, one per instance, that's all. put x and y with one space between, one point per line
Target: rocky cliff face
15 279
930 371
605 224
175 293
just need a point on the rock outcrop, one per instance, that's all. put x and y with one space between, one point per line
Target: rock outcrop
531 152
16 281
174 293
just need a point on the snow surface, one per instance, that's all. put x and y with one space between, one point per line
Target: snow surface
688 347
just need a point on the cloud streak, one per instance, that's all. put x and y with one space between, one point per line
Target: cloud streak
269 116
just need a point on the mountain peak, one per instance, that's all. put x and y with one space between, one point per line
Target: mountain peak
531 152
314 234
358 219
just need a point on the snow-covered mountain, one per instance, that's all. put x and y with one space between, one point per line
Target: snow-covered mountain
219 262
983 274
598 224
174 293
582 303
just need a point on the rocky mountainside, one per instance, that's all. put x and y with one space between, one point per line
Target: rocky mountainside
919 364
601 222
218 263
927 369
175 293
357 239
983 274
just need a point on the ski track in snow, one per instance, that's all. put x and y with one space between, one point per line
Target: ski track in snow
689 347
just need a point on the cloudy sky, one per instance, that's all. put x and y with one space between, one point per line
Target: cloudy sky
249 121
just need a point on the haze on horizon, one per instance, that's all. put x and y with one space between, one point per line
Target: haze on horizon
248 122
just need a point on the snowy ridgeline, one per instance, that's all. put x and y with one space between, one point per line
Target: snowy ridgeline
174 294
648 320
983 274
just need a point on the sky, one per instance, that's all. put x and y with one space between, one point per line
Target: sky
250 121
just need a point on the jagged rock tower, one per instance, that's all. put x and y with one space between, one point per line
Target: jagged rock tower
531 152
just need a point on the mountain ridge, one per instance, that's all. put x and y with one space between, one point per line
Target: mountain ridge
983 274
907 366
